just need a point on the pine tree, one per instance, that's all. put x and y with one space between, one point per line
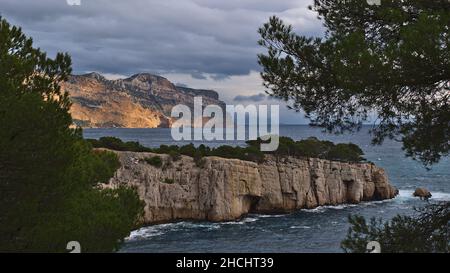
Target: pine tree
392 60
48 173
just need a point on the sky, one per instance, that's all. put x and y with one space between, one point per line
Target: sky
209 44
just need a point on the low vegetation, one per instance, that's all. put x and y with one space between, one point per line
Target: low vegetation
307 148
117 144
427 231
169 181
175 155
315 148
155 161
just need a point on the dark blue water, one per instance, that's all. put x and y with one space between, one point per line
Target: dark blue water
318 230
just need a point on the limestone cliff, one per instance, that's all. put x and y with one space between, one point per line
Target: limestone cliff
226 189
141 101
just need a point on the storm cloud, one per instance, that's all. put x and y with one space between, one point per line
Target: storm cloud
195 37
209 44
254 98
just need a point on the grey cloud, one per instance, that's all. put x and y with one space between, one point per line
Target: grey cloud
220 77
196 37
198 75
254 98
181 84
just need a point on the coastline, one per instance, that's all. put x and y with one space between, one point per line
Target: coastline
227 189
317 230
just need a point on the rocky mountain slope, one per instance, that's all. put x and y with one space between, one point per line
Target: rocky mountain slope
226 189
141 101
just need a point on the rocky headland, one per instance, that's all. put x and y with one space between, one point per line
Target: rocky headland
227 189
140 101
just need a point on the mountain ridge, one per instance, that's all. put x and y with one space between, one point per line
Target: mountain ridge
142 100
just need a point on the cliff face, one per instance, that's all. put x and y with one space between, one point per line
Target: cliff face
226 189
141 101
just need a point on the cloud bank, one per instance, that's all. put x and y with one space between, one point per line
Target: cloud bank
254 98
209 44
196 37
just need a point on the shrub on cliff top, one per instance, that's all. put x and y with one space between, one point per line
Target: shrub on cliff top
174 155
199 160
117 144
315 148
309 148
155 161
345 152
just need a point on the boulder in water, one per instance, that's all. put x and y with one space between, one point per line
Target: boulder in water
422 193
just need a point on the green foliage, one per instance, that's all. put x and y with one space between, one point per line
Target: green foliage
106 163
310 147
315 148
426 232
169 181
49 174
370 61
188 150
99 220
247 153
155 161
345 152
117 144
174 155
198 159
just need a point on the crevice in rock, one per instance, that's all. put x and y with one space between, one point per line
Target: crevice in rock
253 202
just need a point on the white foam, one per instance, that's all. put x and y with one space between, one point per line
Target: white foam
157 230
321 209
374 203
241 222
441 196
324 208
405 194
300 227
144 233
153 231
271 215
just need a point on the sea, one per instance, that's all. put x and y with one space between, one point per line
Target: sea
317 230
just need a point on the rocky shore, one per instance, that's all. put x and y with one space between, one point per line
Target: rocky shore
227 189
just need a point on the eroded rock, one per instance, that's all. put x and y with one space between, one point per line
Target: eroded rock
226 189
